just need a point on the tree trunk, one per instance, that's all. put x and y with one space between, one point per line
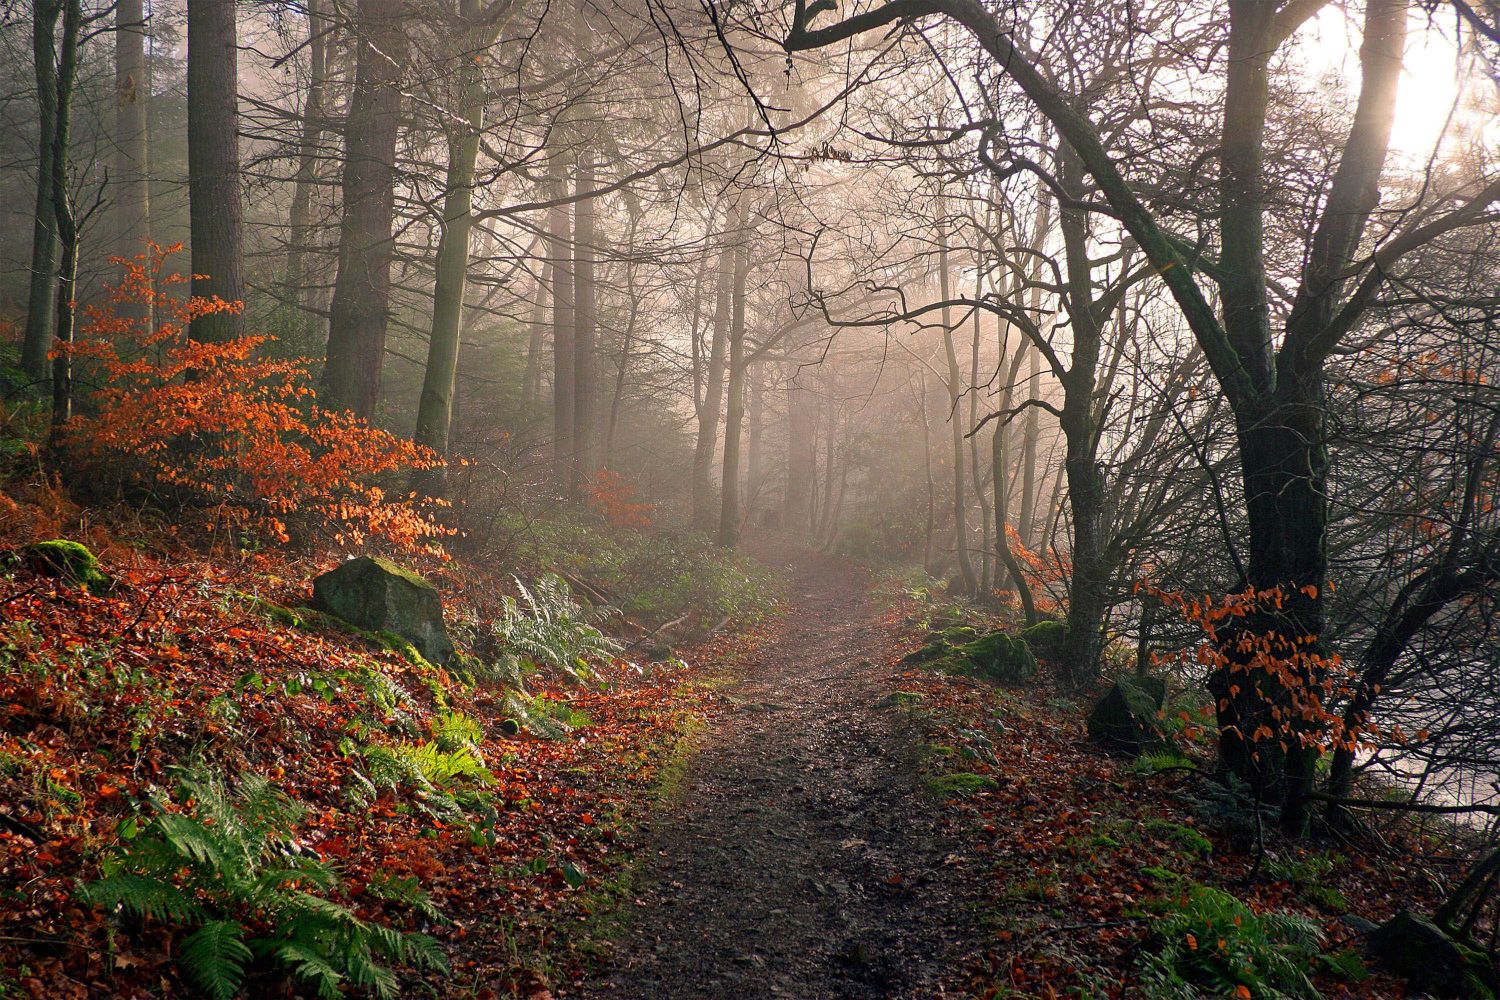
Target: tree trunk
755 463
299 219
955 398
986 581
66 221
734 417
627 344
41 307
132 209
1284 471
585 327
214 166
927 469
560 254
531 382
1000 460
360 311
1088 590
801 455
713 398
435 408
1026 520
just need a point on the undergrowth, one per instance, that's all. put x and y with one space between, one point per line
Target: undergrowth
224 876
652 578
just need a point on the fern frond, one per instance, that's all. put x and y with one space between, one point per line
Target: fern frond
404 890
363 971
335 914
214 957
309 965
308 872
424 952
141 896
194 841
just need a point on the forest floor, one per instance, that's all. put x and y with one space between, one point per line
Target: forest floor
850 826
801 856
791 812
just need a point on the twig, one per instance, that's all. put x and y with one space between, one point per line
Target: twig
1421 807
23 828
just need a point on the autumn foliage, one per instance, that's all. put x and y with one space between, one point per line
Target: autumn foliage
1294 681
227 431
613 498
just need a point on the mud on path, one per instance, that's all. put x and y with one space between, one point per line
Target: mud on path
802 858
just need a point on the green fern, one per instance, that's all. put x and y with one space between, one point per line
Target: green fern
215 956
424 767
544 717
457 731
1208 939
146 896
549 628
227 853
405 891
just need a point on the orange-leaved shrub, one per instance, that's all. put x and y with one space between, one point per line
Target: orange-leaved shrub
613 498
1296 686
225 431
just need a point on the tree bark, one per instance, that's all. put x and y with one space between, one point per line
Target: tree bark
299 219
734 417
931 520
531 382
986 581
955 398
713 398
585 329
755 463
440 379
360 311
1026 520
132 193
41 307
214 166
1000 459
560 254
1088 591
66 221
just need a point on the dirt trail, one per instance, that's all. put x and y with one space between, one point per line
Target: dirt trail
801 859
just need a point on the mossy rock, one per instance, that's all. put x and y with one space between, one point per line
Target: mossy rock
1047 639
67 560
998 657
379 596
955 635
1124 720
932 651
1433 960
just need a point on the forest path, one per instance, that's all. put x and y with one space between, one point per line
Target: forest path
802 858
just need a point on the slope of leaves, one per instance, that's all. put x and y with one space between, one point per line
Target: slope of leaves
101 698
1088 861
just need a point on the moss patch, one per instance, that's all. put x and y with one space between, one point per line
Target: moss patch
270 610
998 657
1046 638
1185 837
67 560
960 784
